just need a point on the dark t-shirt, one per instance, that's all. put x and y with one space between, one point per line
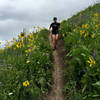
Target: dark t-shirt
55 27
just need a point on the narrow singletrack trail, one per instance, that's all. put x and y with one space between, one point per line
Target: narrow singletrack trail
56 92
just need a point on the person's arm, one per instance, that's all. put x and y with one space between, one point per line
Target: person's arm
50 28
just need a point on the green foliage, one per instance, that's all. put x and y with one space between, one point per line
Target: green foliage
27 59
82 41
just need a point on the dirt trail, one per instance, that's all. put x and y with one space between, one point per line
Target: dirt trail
58 77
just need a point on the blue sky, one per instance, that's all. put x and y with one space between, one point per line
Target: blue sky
18 14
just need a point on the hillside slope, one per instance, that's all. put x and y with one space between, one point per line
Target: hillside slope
25 67
81 34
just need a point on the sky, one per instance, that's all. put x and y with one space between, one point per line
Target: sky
18 14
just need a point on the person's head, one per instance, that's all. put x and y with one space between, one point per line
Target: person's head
55 19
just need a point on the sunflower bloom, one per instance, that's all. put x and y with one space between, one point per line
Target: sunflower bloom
86 26
18 45
91 62
26 83
22 35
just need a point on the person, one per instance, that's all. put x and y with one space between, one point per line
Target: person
54 30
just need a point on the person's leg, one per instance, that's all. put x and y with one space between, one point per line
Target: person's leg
54 40
51 36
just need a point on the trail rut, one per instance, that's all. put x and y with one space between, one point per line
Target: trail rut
58 77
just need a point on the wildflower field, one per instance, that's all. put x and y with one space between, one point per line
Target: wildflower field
25 67
26 63
81 34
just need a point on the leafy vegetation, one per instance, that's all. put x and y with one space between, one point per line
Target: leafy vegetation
25 67
81 34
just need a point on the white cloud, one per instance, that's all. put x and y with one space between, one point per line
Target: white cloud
17 14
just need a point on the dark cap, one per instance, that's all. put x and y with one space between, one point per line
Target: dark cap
55 18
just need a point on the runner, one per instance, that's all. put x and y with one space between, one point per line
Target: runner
54 30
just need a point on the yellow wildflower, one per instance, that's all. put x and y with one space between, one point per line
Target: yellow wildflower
26 51
96 26
86 26
93 36
34 46
74 30
82 25
26 83
63 35
27 61
15 42
29 40
18 45
22 43
29 50
91 62
98 33
81 32
85 35
14 48
96 14
22 35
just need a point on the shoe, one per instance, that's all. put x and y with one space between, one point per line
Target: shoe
54 48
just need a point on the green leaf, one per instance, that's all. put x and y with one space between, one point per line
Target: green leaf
84 88
96 84
96 95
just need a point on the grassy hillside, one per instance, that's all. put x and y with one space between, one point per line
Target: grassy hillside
81 34
25 67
